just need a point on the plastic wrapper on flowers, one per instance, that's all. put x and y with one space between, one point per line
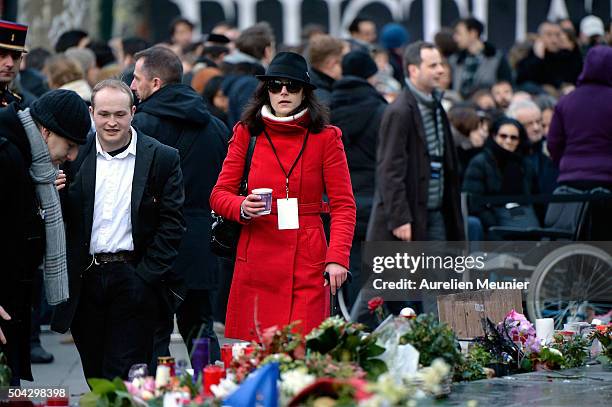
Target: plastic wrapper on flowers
401 359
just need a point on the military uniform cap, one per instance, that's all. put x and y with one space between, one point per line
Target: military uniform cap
13 36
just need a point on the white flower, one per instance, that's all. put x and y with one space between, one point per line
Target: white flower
555 351
429 378
295 380
376 400
224 388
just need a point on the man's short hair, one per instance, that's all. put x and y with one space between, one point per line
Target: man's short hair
545 23
70 38
546 102
354 26
104 53
84 56
323 46
502 82
520 105
255 39
412 55
160 62
177 21
132 45
113 84
36 58
472 24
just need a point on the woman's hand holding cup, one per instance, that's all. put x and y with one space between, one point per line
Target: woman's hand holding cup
252 206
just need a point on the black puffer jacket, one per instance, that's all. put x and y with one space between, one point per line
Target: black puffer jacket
496 171
177 116
357 108
324 84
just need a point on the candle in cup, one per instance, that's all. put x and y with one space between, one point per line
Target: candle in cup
200 355
212 375
226 355
545 327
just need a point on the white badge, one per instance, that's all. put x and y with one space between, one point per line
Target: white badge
287 213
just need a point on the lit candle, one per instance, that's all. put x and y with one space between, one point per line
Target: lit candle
162 376
212 375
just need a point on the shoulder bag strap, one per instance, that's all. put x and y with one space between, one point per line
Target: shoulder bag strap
247 164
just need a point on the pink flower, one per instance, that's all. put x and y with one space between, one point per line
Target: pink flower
517 326
533 345
515 315
131 388
149 384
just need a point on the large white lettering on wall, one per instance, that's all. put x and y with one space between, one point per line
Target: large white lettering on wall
423 18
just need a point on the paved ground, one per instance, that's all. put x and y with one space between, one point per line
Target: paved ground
66 370
588 386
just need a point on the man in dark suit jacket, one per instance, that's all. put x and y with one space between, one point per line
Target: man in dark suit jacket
417 192
124 220
176 115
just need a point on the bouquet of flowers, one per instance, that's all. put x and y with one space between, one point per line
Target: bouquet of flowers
603 334
518 328
347 342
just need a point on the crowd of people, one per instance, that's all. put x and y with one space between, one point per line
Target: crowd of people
113 155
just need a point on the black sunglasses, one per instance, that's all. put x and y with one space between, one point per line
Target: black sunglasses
512 137
276 86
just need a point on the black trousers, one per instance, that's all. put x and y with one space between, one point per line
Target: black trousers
194 318
115 320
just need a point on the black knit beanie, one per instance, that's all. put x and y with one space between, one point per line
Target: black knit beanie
64 113
358 63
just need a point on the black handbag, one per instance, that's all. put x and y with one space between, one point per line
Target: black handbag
224 232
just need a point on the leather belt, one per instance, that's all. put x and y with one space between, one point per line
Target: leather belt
119 257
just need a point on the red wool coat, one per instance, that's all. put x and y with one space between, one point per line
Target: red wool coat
278 276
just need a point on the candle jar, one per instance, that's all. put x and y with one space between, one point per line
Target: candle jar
200 355
212 375
167 361
226 355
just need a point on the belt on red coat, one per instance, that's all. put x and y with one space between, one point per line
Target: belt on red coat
315 208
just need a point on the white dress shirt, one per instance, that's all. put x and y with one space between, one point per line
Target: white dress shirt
111 230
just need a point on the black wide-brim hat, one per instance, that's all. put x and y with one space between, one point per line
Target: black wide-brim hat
13 36
288 65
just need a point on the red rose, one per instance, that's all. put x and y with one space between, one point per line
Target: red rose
375 303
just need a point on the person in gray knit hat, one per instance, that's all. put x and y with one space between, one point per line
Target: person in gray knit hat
33 142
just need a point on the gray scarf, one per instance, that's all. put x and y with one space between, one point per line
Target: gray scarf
43 174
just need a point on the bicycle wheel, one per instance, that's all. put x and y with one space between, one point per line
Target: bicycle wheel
572 283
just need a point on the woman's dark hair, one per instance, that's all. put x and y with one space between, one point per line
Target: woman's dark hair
464 118
251 117
212 87
523 140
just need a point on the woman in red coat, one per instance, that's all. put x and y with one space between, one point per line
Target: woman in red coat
281 257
